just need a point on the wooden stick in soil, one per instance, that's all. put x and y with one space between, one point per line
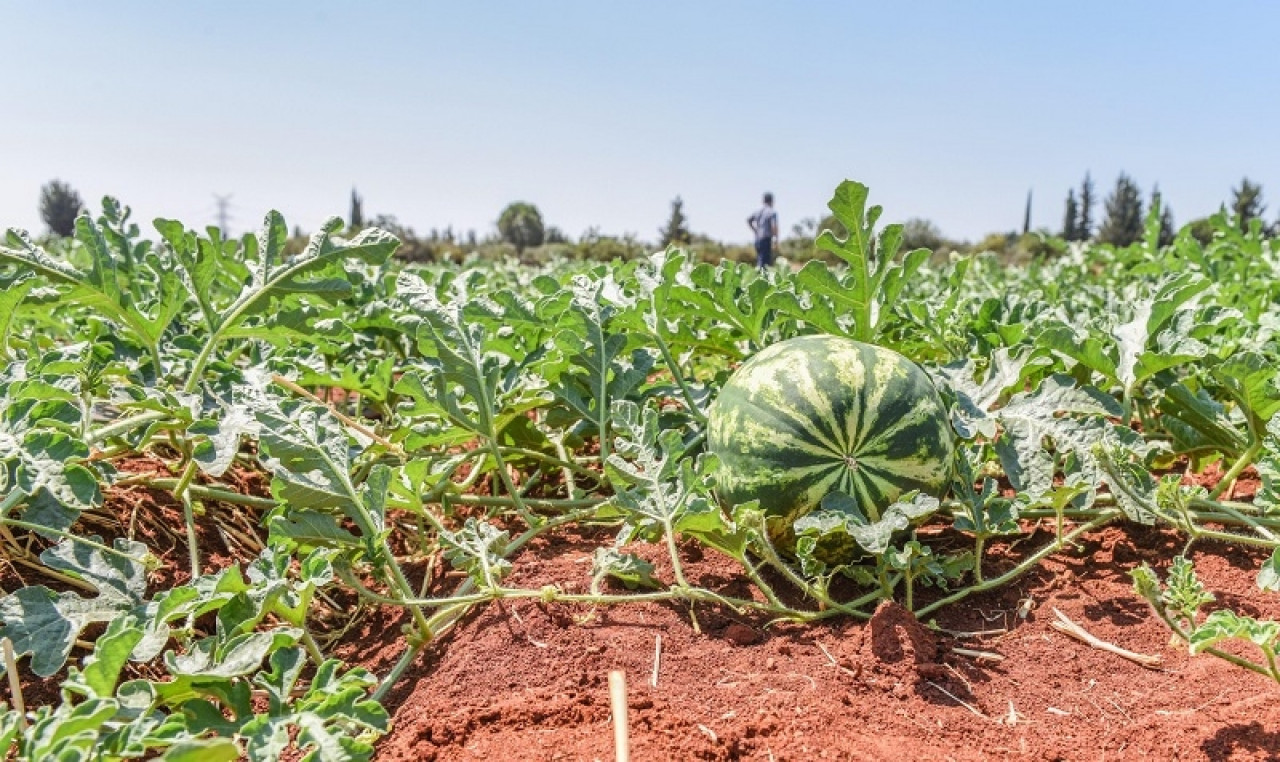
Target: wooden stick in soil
1065 625
618 705
657 660
15 685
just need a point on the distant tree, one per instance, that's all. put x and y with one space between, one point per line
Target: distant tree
830 222
1246 203
1070 219
357 210
1123 222
676 231
1026 217
999 243
520 225
1167 230
556 235
1201 230
59 206
1084 228
918 233
807 227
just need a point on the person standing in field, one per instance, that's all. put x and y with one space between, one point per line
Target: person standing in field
764 224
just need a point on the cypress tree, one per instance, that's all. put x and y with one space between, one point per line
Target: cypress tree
1246 203
676 231
1167 229
1069 219
1084 229
1026 216
357 210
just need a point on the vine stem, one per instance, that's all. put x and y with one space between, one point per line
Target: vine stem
124 425
1229 478
979 544
202 359
562 462
552 595
397 670
1031 561
519 503
571 486
770 556
313 648
447 617
685 391
11 501
1222 513
188 513
1213 534
1224 655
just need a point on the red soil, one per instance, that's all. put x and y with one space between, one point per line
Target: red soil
529 681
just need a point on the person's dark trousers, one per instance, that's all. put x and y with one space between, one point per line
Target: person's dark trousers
764 253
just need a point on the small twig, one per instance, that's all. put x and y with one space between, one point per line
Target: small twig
958 700
970 634
657 660
833 661
827 654
353 423
1068 627
618 704
15 685
968 686
979 655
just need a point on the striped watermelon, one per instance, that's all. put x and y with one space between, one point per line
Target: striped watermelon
820 414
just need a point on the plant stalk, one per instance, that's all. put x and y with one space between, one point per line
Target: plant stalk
1031 561
1243 462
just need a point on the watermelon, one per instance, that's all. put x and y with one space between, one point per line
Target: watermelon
817 415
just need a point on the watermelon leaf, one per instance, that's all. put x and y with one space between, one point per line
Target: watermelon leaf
628 568
876 277
45 624
479 549
985 514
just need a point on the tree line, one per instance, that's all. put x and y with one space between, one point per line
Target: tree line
521 229
1125 212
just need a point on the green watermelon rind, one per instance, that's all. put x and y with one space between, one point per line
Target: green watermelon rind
819 414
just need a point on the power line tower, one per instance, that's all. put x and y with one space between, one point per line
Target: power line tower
224 203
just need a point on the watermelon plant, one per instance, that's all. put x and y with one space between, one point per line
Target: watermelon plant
421 427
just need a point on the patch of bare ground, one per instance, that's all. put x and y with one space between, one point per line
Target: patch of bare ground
528 681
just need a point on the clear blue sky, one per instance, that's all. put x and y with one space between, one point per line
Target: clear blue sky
601 113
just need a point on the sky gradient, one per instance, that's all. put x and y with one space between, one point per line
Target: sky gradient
600 113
